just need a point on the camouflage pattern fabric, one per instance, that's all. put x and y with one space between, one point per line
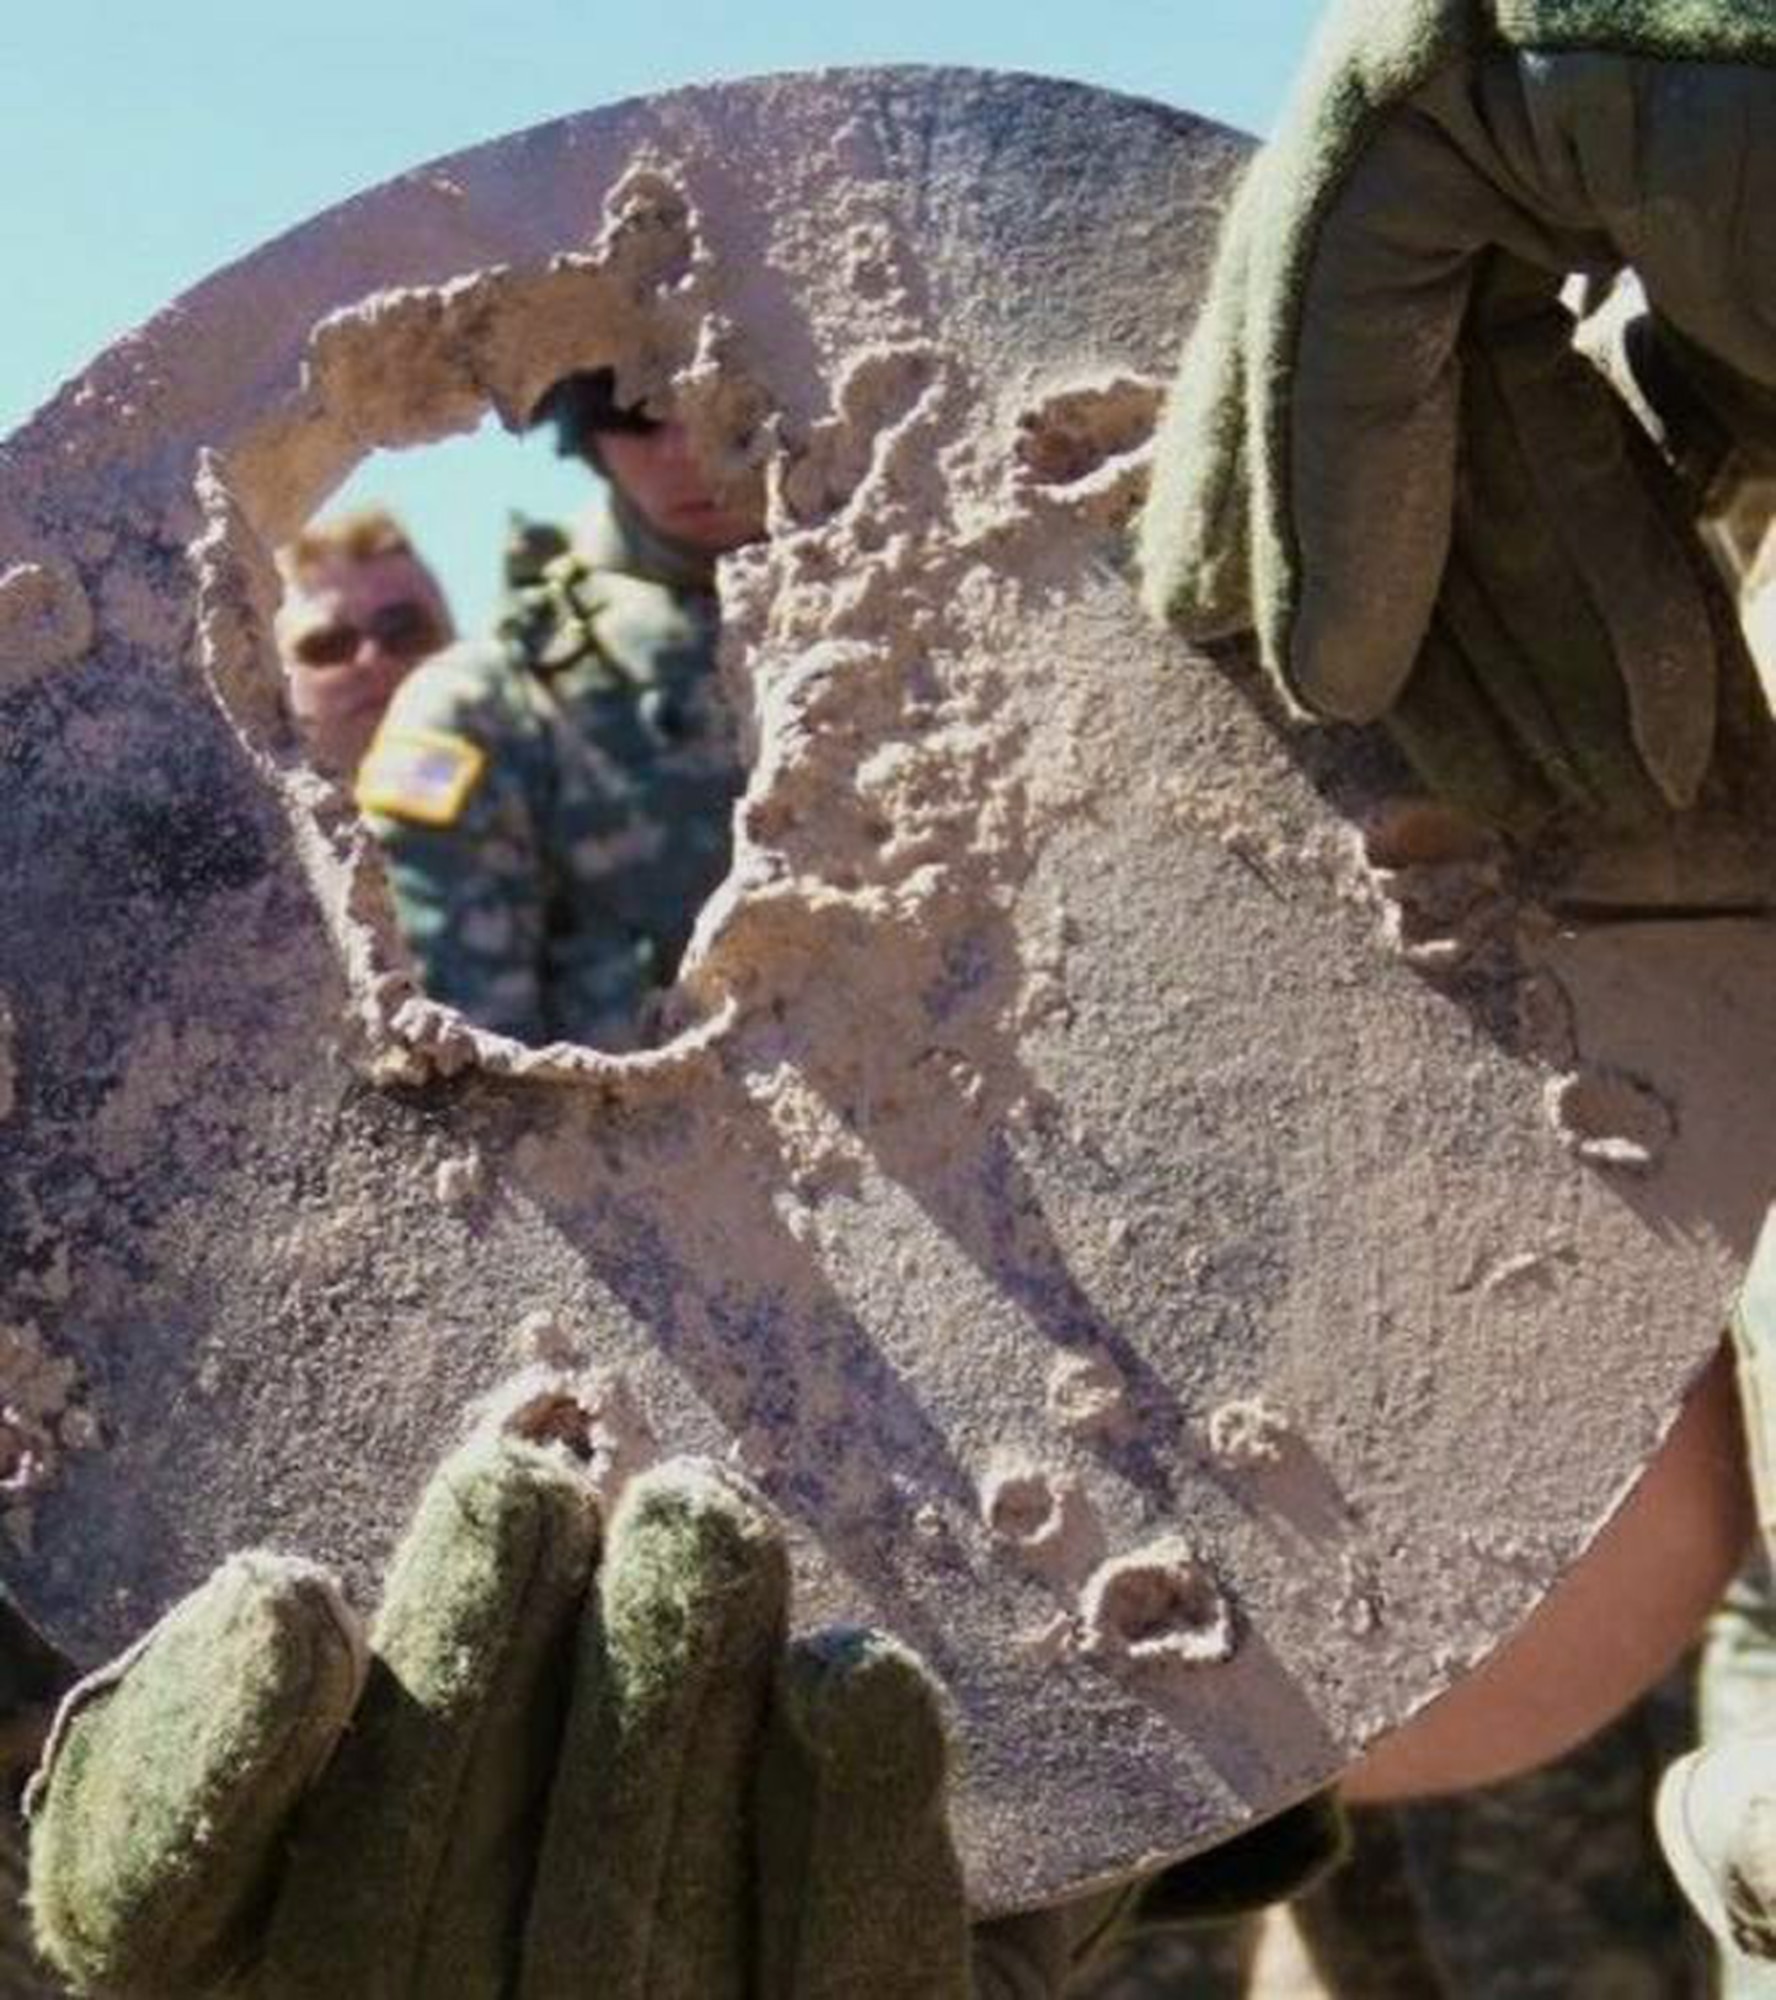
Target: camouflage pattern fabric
1736 1684
554 804
1547 1887
1738 1698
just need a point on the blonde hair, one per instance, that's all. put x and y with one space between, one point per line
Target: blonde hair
361 535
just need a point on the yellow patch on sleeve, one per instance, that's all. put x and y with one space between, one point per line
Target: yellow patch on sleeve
423 775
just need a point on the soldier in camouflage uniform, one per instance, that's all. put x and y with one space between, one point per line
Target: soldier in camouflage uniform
554 803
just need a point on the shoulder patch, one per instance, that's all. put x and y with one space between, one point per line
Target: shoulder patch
423 775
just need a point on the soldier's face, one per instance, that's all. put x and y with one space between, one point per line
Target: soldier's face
660 476
350 632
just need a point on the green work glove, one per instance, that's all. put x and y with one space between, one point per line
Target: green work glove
550 1771
546 1774
1381 450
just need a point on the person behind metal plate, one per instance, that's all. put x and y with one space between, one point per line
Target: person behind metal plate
554 802
360 610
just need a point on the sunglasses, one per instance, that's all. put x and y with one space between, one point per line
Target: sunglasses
405 629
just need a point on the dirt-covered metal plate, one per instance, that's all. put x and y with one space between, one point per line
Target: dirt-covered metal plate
1184 1245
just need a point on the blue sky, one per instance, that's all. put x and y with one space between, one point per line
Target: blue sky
142 146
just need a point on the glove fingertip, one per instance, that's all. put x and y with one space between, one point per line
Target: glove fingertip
1340 674
503 1456
863 1890
866 1709
413 1852
158 1813
691 1529
645 1867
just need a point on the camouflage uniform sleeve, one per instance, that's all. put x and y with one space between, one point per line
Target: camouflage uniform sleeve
453 788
